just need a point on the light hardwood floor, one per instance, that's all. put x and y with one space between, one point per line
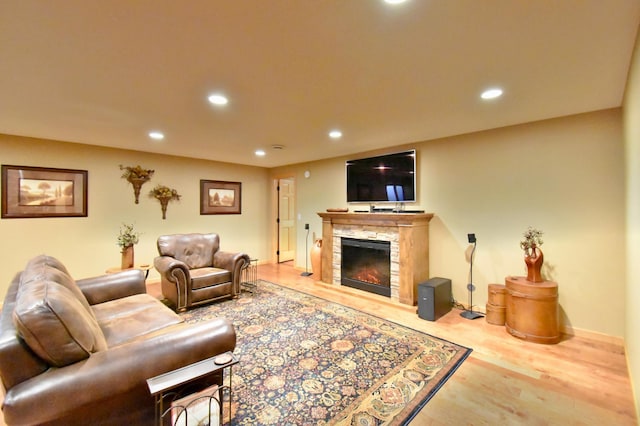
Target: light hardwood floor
505 381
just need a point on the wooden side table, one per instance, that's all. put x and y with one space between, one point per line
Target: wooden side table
145 267
532 310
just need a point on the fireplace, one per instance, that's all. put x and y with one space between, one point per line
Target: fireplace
366 265
409 237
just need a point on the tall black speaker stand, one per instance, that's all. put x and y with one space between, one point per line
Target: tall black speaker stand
306 272
469 314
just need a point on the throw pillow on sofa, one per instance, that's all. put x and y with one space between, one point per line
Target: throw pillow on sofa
55 324
44 259
46 268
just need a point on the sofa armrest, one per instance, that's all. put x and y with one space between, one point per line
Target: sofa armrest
117 375
175 279
112 286
167 267
233 262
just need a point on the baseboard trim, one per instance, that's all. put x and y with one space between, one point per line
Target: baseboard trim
592 335
575 332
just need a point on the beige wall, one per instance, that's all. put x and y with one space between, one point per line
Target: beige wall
564 176
88 245
632 144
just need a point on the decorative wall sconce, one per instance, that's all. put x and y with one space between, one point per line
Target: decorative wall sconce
164 194
137 176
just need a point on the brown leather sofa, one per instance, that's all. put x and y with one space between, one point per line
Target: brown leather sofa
195 271
80 352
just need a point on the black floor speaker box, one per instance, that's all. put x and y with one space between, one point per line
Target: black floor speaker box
434 298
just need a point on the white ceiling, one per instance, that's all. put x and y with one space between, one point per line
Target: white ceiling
107 72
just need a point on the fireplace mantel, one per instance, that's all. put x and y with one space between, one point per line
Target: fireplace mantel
413 245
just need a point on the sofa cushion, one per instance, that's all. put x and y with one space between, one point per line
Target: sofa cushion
55 324
127 319
206 277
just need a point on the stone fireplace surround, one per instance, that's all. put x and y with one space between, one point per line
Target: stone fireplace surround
408 234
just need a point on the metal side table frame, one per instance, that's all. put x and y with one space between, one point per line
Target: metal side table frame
162 385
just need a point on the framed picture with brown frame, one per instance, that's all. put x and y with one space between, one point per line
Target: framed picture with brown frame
220 197
33 192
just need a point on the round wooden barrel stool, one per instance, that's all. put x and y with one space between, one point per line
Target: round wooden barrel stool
496 306
532 310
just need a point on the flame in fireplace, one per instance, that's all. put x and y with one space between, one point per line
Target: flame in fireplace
368 275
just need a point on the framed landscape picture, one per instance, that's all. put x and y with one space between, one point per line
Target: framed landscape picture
220 197
31 192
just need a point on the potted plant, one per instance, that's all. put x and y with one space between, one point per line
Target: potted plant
126 240
533 256
137 176
164 194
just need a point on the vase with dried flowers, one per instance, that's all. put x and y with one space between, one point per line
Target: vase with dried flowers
533 256
126 240
137 176
164 194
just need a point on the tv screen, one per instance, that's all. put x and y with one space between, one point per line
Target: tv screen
390 178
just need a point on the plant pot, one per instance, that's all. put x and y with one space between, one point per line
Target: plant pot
127 257
534 261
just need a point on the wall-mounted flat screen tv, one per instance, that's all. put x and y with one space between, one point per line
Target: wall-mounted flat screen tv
384 178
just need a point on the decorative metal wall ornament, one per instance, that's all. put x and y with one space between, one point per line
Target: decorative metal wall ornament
137 176
164 194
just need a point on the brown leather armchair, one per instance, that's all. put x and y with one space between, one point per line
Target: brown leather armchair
194 271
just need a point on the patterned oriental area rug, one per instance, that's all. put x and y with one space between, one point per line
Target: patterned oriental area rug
307 361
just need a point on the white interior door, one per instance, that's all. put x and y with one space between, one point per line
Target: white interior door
286 220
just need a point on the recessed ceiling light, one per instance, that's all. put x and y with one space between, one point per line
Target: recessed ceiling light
491 93
156 135
335 134
394 1
260 153
218 99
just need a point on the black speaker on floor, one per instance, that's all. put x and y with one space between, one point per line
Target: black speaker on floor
434 298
